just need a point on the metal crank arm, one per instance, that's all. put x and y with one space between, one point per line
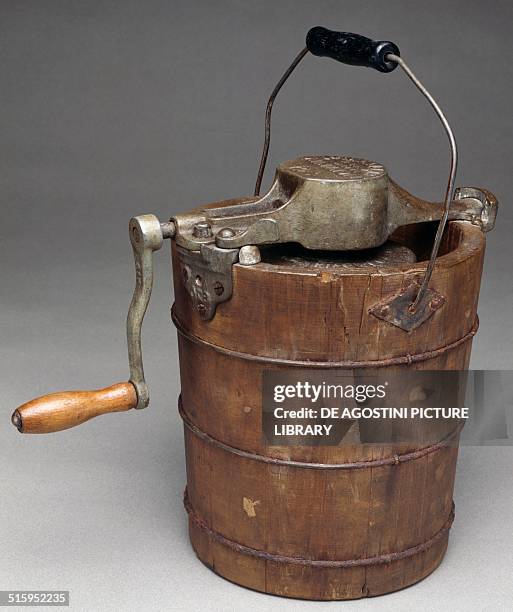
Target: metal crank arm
146 236
65 409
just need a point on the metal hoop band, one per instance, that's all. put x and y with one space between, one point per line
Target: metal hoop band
321 563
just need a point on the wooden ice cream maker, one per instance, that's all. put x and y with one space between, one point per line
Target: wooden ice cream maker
335 267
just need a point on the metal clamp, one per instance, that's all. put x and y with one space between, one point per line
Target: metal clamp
207 276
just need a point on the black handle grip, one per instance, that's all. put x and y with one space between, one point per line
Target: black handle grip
352 49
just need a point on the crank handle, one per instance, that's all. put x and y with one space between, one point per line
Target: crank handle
58 411
66 409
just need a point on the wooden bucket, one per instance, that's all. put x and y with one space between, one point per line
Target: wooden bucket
322 523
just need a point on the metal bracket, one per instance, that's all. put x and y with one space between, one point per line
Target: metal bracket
396 310
207 276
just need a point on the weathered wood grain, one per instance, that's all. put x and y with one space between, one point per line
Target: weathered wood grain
258 518
58 411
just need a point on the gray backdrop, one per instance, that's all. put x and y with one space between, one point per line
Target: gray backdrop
115 108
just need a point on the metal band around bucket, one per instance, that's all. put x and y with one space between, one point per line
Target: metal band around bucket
353 465
345 563
376 363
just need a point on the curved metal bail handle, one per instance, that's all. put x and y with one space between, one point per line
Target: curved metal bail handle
268 112
384 56
345 47
450 182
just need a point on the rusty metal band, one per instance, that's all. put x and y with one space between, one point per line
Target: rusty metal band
377 363
353 465
345 563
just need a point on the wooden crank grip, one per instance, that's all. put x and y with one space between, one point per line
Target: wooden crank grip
58 411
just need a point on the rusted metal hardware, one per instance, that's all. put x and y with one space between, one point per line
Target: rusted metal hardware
398 311
207 276
407 359
397 459
384 558
409 309
146 235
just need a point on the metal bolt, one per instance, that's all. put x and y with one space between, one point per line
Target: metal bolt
218 288
249 255
202 230
226 232
198 280
168 229
16 420
202 309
